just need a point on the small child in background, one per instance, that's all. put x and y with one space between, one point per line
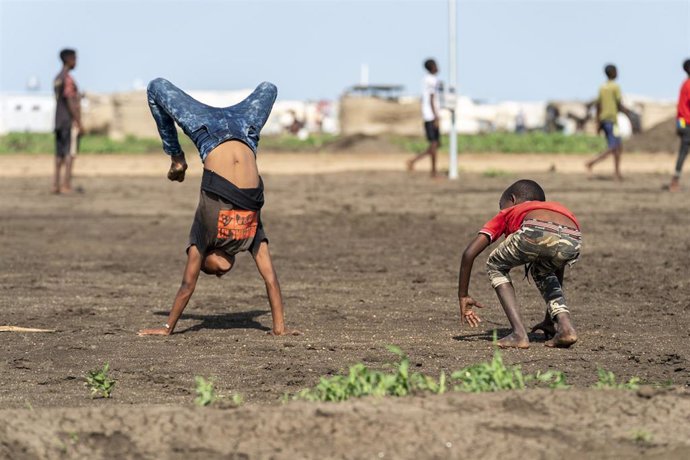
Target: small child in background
608 104
545 236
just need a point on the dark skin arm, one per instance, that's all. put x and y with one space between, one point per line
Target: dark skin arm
74 107
433 109
475 248
264 264
184 293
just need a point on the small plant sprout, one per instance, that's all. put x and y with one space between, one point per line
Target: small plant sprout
237 399
99 383
642 436
552 379
607 381
205 391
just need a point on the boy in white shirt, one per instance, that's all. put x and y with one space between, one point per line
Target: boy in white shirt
431 103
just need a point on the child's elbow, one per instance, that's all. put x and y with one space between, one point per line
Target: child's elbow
468 256
187 288
271 281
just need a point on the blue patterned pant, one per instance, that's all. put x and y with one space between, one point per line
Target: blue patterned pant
208 126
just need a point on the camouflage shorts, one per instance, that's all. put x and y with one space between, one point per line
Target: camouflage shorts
545 248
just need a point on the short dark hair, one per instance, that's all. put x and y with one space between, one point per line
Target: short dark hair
686 66
524 190
429 63
66 53
610 70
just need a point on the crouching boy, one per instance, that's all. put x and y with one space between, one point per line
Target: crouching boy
544 236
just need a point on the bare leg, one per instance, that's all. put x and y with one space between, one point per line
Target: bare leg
674 186
410 163
565 332
433 151
590 164
67 182
617 154
557 327
682 154
518 338
56 177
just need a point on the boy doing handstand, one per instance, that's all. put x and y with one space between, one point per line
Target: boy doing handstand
228 218
545 236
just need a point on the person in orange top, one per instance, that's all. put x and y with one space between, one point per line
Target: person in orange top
683 128
545 236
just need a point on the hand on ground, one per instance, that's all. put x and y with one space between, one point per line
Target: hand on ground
467 314
154 331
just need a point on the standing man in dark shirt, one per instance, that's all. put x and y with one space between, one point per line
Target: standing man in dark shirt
68 125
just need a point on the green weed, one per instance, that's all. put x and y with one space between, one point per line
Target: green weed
99 383
607 380
362 381
483 377
489 376
206 394
237 399
552 379
292 143
33 143
205 391
642 436
498 142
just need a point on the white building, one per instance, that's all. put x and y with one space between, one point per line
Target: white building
27 112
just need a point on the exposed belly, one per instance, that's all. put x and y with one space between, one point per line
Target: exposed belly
234 161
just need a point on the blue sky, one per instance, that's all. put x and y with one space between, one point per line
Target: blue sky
509 49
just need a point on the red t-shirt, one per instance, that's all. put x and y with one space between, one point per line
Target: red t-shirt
510 219
684 102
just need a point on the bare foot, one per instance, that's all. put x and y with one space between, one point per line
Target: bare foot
513 341
547 327
410 165
284 332
590 172
177 169
66 189
562 340
618 178
55 190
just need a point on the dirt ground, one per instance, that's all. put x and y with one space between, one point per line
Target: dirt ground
366 259
659 138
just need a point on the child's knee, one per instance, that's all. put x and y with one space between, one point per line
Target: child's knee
497 275
268 89
157 85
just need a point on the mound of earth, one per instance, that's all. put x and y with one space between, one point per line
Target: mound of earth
362 143
593 424
660 138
